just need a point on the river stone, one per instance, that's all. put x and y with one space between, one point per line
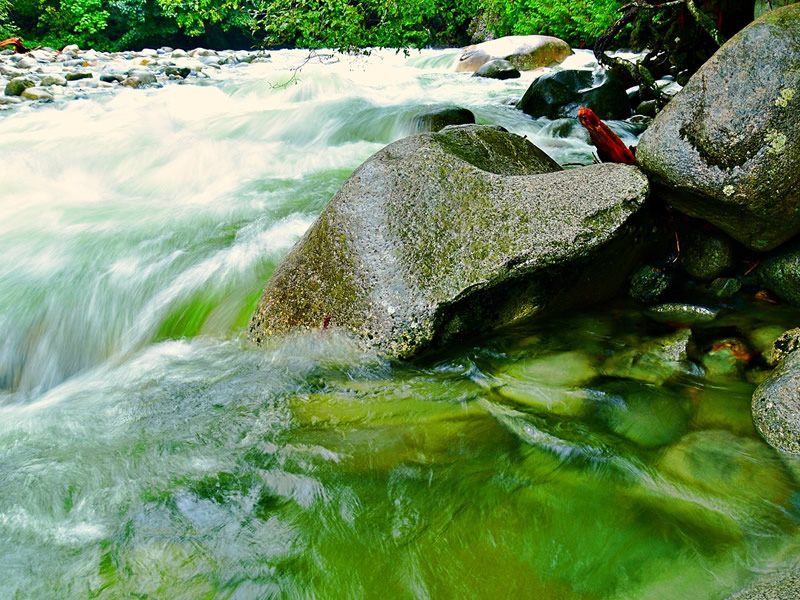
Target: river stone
77 76
499 68
684 314
442 117
727 148
525 52
562 93
456 232
182 72
780 273
776 406
27 62
112 77
54 80
38 93
649 283
653 361
706 254
139 78
16 86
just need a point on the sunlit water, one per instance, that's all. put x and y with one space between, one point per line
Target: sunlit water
147 450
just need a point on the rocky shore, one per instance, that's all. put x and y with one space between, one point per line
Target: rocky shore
45 74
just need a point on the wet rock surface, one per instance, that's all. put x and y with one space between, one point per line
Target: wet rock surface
776 406
443 234
524 52
727 148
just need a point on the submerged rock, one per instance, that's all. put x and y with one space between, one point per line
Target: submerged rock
456 232
781 584
654 361
727 148
38 93
440 118
562 93
525 52
646 415
776 406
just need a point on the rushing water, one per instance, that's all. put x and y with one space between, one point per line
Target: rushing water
147 450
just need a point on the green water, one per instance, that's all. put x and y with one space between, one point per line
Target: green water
148 451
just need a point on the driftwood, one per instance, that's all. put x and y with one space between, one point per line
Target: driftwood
609 147
19 47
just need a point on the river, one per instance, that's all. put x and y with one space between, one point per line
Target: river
148 450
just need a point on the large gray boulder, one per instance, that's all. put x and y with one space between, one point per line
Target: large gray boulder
525 52
727 148
776 406
441 234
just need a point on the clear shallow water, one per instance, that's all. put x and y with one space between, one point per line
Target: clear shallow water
146 449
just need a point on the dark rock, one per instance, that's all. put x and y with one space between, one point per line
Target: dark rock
706 254
77 76
725 287
525 52
457 232
648 108
182 72
776 406
727 148
498 68
112 77
562 93
442 117
649 283
780 273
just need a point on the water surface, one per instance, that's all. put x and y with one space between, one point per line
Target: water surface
147 450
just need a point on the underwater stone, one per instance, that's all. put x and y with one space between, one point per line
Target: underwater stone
458 232
727 148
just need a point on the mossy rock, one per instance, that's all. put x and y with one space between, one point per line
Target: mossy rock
458 232
727 148
780 273
705 254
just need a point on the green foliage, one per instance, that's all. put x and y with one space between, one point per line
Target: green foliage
347 24
7 27
578 22
344 24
